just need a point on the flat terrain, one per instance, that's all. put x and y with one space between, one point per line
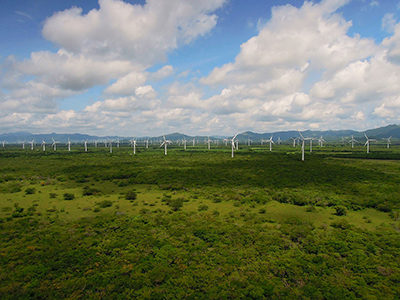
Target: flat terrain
200 224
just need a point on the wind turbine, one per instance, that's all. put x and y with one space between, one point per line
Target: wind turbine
133 143
368 141
279 140
352 141
194 141
33 141
184 143
233 143
110 144
302 145
311 139
165 143
270 143
85 145
321 141
23 144
249 141
44 145
226 142
147 144
69 145
117 143
388 141
294 141
95 143
208 141
54 145
3 143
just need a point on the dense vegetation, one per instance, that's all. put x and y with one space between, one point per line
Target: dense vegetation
199 224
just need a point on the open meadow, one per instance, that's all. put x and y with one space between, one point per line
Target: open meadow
200 224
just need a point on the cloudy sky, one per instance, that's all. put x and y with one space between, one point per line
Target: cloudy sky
135 68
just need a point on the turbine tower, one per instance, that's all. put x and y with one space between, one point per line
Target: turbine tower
208 141
165 143
133 143
33 141
352 141
368 141
303 139
44 145
85 145
69 145
233 143
388 141
270 143
54 145
321 141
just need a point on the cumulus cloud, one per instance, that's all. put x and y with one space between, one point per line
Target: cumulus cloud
124 31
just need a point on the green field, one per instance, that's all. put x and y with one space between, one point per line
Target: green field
199 224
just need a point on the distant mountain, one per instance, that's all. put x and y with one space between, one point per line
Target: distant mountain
328 135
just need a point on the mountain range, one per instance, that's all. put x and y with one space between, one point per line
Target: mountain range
328 135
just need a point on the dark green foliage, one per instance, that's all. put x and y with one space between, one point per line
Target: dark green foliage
53 195
341 210
30 191
88 191
105 203
202 207
175 204
68 196
131 195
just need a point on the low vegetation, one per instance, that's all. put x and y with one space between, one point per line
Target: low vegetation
199 224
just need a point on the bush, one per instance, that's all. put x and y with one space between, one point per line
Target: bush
175 204
131 195
262 211
96 209
341 210
105 203
30 191
88 191
203 207
68 196
53 195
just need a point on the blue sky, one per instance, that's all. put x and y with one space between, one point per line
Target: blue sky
198 67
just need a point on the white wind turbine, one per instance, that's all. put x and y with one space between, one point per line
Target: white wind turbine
270 143
279 140
165 143
208 141
95 143
249 141
69 145
311 139
226 142
294 141
85 142
147 144
303 139
33 141
184 143
194 141
321 141
4 143
117 143
44 145
133 143
368 141
352 141
110 144
54 145
23 144
388 141
233 143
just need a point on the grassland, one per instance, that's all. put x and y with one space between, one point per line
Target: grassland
265 224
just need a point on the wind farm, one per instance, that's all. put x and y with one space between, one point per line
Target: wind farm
144 190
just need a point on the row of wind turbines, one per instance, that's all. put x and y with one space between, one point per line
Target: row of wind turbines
233 141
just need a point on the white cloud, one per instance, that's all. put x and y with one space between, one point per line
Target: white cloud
139 33
389 22
163 73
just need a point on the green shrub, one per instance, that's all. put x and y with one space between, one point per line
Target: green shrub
68 196
30 191
131 195
105 203
216 213
262 211
53 195
88 191
96 209
203 207
341 210
175 204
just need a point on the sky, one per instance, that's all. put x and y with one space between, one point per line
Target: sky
210 67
